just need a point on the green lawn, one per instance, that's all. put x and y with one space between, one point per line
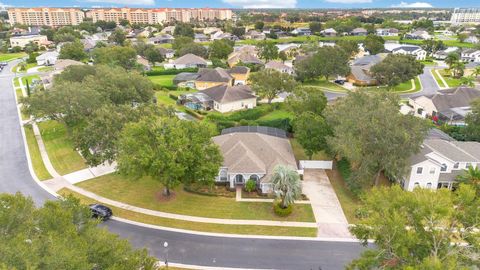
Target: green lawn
299 153
16 82
451 82
322 84
348 200
37 162
60 148
438 79
163 80
27 67
11 56
276 114
196 226
45 69
164 98
146 192
405 87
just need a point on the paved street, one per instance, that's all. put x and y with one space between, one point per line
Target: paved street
184 248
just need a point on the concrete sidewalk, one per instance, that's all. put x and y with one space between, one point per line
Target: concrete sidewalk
331 220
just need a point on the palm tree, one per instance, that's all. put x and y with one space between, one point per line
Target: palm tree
451 59
468 81
286 184
476 72
458 69
471 176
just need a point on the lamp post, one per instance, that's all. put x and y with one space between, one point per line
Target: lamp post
165 245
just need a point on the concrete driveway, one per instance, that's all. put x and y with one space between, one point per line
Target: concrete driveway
328 212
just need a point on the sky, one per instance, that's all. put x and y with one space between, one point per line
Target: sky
247 3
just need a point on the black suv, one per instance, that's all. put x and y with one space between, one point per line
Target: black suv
100 211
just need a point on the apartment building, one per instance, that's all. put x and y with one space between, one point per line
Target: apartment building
465 16
159 15
53 17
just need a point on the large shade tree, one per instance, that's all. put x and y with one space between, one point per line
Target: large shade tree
311 131
170 151
325 62
395 69
370 132
419 230
472 120
61 235
268 83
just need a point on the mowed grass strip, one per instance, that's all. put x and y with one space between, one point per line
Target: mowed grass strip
349 202
146 193
60 148
4 57
163 80
437 78
198 226
37 162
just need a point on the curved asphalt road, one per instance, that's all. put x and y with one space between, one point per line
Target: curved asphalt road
183 248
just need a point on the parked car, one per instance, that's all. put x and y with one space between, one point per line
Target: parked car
3 64
100 211
341 82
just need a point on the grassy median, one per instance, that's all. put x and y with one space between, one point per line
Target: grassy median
37 162
60 148
198 226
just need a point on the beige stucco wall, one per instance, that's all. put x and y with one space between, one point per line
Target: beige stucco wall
235 106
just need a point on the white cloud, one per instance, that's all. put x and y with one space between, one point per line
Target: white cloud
123 2
413 5
263 3
349 1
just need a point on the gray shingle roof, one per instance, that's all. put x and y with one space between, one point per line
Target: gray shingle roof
214 75
454 98
450 150
190 59
255 153
226 94
239 70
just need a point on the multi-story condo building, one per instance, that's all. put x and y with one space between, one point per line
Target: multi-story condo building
160 15
53 17
465 16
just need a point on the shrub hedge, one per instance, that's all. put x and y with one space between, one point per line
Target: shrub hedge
170 71
282 212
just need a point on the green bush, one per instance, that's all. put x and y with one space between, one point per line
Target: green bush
284 124
172 96
345 170
194 114
282 212
250 185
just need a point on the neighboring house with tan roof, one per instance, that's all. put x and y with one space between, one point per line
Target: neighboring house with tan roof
62 64
240 74
187 61
222 98
449 105
211 77
246 55
360 74
280 67
439 162
252 155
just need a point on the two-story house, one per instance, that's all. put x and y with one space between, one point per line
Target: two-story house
439 162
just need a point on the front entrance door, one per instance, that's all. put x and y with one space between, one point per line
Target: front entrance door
239 179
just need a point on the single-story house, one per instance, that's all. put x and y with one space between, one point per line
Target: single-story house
161 39
185 79
439 162
279 66
302 31
210 77
168 30
201 38
290 49
62 64
472 39
252 34
330 32
47 58
167 53
387 32
419 34
222 98
360 70
442 54
187 61
253 155
359 32
449 105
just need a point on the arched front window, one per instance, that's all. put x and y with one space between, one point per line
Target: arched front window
254 177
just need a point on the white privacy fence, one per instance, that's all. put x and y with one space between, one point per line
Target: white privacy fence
316 164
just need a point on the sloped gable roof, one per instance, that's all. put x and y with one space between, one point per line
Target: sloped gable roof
226 94
190 59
